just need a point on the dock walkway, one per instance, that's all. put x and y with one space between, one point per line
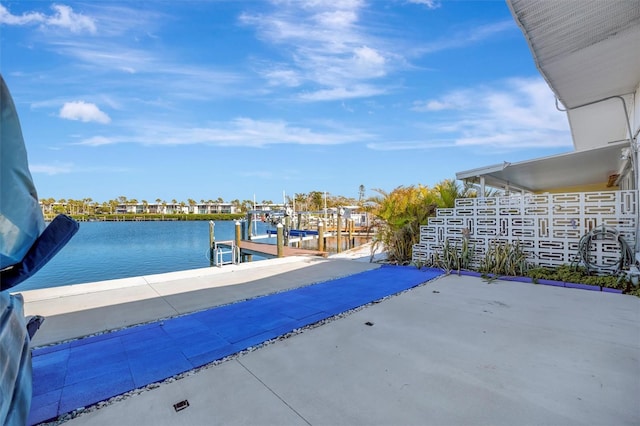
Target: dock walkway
270 250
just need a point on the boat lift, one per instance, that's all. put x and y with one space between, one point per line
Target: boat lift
222 248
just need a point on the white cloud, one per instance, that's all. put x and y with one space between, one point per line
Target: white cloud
336 18
453 100
238 132
327 46
26 18
249 132
367 55
467 37
63 17
51 170
517 114
97 141
107 56
282 77
80 110
66 168
430 4
368 63
408 145
341 93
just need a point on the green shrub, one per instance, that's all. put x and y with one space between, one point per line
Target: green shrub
579 275
451 257
504 258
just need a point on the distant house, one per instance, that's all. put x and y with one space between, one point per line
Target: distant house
213 208
269 207
129 208
588 52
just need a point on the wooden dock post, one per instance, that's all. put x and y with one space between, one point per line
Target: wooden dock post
280 240
212 243
287 224
350 228
320 236
239 237
249 257
339 232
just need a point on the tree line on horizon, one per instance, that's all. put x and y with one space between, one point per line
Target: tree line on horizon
312 201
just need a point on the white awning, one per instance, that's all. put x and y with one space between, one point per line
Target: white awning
593 166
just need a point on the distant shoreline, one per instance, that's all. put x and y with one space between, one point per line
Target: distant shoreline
151 217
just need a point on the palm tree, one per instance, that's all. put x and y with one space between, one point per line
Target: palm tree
401 212
301 201
46 205
61 206
316 200
405 209
86 202
246 205
113 204
448 190
104 207
72 206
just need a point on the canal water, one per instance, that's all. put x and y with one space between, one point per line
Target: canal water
109 250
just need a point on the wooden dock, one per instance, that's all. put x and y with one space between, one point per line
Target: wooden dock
270 250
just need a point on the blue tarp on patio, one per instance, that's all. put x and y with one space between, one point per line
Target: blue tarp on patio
83 372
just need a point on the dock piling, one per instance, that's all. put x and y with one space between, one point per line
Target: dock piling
352 242
320 236
280 240
212 243
238 239
339 232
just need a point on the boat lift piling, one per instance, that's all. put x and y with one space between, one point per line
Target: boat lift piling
280 240
339 231
320 236
240 237
212 243
350 227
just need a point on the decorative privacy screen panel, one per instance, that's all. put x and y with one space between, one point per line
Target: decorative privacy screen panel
547 226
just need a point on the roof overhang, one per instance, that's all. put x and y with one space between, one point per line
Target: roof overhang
587 51
578 168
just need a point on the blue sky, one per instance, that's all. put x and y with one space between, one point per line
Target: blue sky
231 99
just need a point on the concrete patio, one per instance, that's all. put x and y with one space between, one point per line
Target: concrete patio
454 351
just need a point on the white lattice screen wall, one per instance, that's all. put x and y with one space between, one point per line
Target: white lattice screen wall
547 226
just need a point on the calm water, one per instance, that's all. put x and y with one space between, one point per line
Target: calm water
110 250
